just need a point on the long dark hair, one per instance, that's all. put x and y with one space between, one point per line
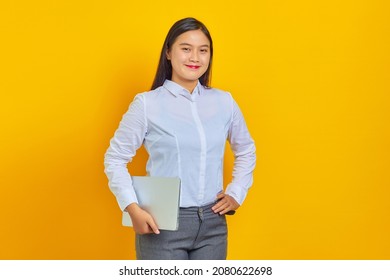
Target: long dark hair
164 69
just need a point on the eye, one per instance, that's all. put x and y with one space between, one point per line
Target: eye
186 49
204 50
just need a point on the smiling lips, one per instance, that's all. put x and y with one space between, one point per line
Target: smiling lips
195 67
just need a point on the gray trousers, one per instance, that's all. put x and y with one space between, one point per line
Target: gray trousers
202 235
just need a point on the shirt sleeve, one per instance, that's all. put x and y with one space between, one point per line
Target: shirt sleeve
123 146
244 151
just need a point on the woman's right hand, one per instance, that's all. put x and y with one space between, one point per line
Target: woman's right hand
143 222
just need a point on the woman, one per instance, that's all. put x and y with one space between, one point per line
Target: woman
184 125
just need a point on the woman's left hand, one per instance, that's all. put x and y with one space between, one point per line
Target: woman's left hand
225 204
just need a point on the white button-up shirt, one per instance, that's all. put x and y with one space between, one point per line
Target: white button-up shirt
185 136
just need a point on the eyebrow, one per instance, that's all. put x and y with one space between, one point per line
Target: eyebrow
186 44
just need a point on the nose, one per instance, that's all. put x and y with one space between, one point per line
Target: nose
194 57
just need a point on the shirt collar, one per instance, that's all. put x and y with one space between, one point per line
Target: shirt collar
177 90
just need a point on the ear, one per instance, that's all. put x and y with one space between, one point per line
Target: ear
168 55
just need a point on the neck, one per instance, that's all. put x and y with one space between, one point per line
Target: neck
188 85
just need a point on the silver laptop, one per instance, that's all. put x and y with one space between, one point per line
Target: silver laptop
160 197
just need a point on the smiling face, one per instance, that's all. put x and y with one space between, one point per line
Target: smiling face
190 58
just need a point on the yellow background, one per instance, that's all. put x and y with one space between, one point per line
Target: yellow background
311 77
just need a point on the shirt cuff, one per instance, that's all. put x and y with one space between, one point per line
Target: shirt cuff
126 198
237 192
